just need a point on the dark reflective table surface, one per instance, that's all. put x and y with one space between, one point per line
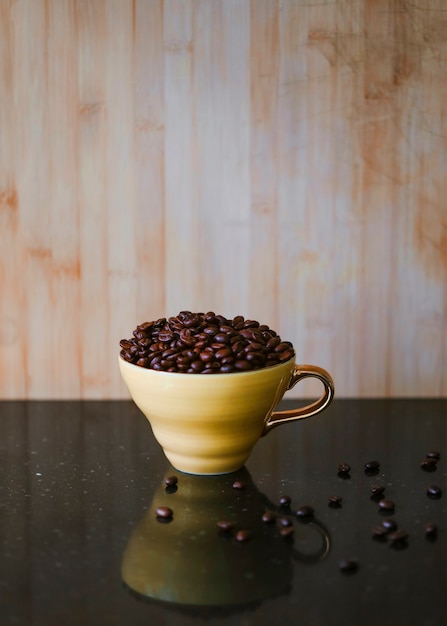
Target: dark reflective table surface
81 544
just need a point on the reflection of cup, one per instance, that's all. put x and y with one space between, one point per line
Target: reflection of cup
209 424
188 562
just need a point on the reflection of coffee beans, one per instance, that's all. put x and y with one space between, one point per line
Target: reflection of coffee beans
429 464
205 343
348 565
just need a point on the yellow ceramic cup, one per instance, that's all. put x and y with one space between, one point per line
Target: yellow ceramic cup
209 424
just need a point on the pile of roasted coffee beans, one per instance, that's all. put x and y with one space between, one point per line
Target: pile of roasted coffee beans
205 343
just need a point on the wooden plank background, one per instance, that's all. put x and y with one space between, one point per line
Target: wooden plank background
280 159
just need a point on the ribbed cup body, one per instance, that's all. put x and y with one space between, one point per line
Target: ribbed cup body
207 424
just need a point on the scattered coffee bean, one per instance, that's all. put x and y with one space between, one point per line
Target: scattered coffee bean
343 470
243 535
433 454
434 492
171 481
239 485
372 467
386 505
431 530
164 512
377 490
389 525
268 517
285 501
225 526
398 537
379 532
284 521
335 501
348 565
429 465
305 511
205 343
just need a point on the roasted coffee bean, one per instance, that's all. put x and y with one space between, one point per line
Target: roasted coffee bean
223 353
253 346
348 565
285 501
398 537
239 485
285 356
197 366
273 342
434 492
243 535
165 335
207 355
431 530
211 330
243 366
268 517
257 358
386 505
343 469
429 465
377 490
227 368
379 532
305 511
284 521
225 526
164 512
171 481
372 467
390 525
143 362
335 501
433 454
287 531
228 330
212 365
221 338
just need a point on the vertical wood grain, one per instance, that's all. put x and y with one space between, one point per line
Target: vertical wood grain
11 250
279 159
264 65
149 134
92 198
120 181
182 224
31 138
233 231
64 355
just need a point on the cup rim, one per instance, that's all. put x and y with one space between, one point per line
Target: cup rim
225 374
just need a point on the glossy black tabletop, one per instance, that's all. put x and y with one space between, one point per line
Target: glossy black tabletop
81 544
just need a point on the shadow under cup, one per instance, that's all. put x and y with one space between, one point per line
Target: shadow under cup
210 424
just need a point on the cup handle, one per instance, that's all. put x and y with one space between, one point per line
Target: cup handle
303 371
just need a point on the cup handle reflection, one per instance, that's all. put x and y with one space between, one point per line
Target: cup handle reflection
324 550
299 373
